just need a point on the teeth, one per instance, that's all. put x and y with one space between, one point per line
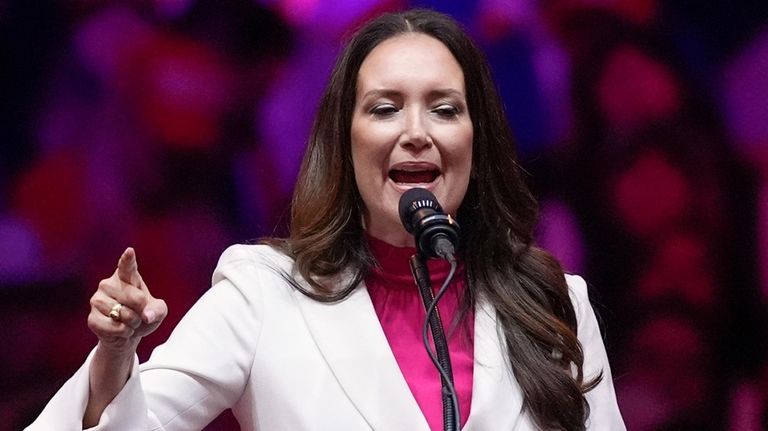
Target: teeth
416 169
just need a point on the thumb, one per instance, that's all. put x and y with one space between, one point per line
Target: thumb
154 311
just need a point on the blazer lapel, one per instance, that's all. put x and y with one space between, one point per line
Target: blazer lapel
351 340
496 397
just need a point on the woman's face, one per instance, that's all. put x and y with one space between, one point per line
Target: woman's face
410 128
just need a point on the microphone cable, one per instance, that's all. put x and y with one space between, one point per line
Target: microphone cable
440 355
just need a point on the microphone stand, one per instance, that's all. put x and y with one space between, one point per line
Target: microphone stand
443 361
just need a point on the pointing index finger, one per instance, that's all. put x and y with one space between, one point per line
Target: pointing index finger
127 268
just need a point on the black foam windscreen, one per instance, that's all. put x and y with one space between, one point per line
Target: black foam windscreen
414 200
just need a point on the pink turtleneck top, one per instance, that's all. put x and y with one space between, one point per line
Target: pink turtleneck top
401 313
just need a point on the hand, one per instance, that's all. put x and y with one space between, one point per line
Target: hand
140 314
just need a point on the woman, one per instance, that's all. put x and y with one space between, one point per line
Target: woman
313 331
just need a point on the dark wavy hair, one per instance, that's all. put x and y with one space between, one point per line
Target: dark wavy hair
524 284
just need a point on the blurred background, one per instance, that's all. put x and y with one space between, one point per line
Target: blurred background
177 127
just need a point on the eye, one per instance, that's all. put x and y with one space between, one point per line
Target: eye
384 110
446 111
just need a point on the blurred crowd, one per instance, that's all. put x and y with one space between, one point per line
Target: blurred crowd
177 127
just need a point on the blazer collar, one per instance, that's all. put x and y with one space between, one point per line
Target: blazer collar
351 340
353 344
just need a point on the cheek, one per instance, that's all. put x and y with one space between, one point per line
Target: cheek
460 163
369 154
456 147
358 150
372 144
365 162
462 155
369 141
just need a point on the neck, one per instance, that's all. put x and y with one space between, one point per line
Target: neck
393 235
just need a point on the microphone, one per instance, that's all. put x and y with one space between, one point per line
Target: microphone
436 234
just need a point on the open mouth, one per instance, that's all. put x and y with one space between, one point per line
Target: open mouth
423 176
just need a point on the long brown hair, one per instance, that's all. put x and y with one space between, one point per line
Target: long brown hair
525 285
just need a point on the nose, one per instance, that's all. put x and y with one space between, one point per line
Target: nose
416 135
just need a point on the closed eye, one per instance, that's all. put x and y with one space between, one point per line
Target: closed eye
446 111
384 110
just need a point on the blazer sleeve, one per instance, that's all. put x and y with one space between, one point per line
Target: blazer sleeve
201 370
603 409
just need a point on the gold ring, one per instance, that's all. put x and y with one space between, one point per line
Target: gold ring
114 312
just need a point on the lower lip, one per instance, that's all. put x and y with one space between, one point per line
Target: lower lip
402 187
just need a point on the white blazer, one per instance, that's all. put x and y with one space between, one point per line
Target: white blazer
283 361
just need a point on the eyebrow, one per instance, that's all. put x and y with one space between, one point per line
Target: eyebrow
437 93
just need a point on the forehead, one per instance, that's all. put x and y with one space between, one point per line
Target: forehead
410 60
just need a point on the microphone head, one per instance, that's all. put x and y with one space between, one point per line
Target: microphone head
413 200
423 217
